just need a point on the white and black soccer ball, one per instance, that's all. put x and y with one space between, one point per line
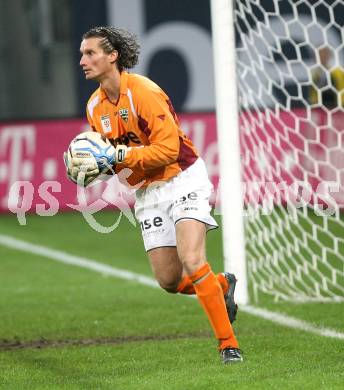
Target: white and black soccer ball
91 144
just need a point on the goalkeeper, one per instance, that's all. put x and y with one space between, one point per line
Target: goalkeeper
172 206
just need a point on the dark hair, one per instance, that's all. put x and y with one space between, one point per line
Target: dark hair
120 40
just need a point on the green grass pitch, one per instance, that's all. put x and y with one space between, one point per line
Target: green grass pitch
65 327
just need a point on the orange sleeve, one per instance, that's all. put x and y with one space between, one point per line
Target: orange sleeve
90 120
156 120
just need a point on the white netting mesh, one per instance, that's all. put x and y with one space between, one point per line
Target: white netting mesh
290 57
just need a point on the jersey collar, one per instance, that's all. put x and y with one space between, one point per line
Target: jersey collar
124 82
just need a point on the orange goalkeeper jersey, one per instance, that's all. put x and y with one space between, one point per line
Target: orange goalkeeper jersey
144 119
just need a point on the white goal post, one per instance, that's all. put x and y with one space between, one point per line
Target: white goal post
279 82
228 142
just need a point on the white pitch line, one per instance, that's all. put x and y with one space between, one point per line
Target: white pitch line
78 261
291 322
63 257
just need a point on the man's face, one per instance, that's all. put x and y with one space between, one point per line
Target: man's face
94 61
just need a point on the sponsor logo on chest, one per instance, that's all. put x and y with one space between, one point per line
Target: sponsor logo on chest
124 114
106 123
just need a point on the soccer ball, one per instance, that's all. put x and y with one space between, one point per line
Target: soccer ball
91 144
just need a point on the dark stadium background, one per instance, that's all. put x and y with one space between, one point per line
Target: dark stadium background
39 71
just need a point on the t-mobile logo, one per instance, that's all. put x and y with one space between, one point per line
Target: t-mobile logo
17 146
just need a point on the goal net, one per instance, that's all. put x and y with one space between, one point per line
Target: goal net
290 76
